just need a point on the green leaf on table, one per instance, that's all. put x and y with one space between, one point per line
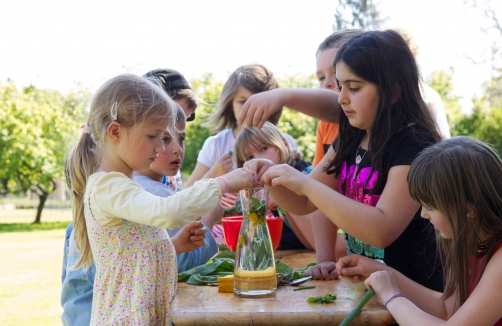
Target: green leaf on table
197 279
328 298
281 268
226 254
217 266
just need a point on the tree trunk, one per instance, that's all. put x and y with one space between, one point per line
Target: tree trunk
41 203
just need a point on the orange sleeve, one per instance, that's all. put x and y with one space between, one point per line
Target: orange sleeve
319 150
325 134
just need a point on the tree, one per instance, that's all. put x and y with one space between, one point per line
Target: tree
208 90
37 126
361 14
441 82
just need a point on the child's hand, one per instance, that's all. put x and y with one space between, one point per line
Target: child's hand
189 238
358 268
259 107
384 283
221 167
323 271
287 176
239 179
259 166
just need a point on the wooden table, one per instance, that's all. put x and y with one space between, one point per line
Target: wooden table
203 305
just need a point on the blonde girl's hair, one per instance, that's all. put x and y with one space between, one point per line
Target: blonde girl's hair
255 78
131 101
461 178
268 135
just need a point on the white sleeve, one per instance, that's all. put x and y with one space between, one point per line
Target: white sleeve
207 154
115 197
435 104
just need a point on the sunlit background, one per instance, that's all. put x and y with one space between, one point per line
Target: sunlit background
57 43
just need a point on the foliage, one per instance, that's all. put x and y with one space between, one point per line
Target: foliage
208 90
361 14
29 227
441 82
37 125
485 120
328 298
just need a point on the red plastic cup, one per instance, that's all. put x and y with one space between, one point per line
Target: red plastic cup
232 226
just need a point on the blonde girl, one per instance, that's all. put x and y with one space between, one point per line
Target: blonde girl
269 143
117 223
459 183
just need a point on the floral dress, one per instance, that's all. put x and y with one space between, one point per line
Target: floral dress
136 273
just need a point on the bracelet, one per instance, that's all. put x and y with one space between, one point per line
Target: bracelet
393 297
226 182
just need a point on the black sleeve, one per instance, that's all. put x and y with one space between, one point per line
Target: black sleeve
408 143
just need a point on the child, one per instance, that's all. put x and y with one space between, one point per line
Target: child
215 157
178 88
116 222
321 228
191 244
459 183
270 143
361 183
168 164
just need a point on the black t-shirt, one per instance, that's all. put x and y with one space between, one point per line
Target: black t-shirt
414 251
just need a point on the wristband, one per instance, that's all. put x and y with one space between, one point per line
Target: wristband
226 182
393 297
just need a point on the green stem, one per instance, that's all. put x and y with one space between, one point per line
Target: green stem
304 288
350 317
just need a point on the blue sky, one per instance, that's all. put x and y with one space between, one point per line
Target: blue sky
57 43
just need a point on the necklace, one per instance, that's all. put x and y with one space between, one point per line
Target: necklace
359 159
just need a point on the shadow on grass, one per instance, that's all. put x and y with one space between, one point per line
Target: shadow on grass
28 227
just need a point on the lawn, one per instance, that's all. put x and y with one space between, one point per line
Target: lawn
30 266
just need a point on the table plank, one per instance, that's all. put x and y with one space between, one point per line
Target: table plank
203 305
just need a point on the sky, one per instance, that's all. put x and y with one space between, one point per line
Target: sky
61 43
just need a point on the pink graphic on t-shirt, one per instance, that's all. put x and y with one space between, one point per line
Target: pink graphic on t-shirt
354 187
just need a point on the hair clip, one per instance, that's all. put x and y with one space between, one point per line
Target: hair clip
85 129
113 111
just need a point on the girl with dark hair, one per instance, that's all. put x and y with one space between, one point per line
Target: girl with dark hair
459 184
361 183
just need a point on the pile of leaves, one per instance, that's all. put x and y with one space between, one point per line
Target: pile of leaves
222 265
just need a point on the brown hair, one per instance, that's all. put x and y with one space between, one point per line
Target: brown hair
187 94
337 39
268 135
409 40
462 178
256 79
137 100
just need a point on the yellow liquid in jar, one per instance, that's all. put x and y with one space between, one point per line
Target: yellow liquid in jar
255 283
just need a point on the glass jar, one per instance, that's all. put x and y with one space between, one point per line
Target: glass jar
254 274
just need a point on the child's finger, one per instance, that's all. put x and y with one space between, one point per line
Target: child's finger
199 231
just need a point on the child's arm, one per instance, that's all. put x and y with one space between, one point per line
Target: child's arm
116 197
358 268
197 174
318 103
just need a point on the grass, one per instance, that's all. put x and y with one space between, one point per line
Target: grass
30 266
